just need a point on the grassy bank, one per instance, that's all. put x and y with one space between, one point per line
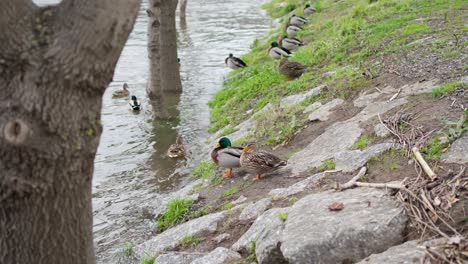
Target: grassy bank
343 37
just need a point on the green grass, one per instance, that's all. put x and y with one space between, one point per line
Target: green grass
448 88
127 250
147 260
190 241
283 216
362 143
176 212
204 170
228 206
434 149
200 212
327 165
230 192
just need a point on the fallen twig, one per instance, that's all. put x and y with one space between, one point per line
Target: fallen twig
424 164
354 183
394 96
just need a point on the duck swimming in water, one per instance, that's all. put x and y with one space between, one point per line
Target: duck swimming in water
226 156
135 105
260 162
177 149
234 62
121 93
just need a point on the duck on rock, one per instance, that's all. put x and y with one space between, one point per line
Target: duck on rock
226 156
308 10
290 43
275 51
121 93
234 62
292 30
298 20
260 162
291 69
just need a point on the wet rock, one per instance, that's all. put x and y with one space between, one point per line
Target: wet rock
170 238
297 187
352 160
176 257
407 253
338 137
265 232
314 234
297 98
240 200
381 130
312 107
222 238
324 111
458 152
219 255
253 210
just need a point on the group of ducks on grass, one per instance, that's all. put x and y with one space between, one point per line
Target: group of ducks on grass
282 49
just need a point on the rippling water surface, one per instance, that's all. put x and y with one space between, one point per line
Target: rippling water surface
132 176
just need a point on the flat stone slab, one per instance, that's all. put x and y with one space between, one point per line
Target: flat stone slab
170 238
176 257
296 188
265 232
324 111
458 152
219 255
352 160
253 210
407 253
298 98
312 107
314 234
381 130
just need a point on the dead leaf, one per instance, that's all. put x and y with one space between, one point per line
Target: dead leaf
336 206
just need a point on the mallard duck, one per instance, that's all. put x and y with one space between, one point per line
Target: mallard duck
226 156
292 30
291 69
121 93
275 51
290 43
308 10
234 62
177 149
135 104
298 20
260 162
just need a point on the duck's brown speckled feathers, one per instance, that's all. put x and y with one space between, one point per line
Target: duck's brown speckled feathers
290 68
261 162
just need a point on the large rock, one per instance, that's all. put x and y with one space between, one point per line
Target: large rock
297 98
336 138
219 256
381 130
296 188
314 234
407 253
253 210
324 111
170 238
265 232
458 152
351 160
176 257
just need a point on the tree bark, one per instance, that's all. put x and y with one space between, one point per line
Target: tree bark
170 75
154 88
183 9
55 64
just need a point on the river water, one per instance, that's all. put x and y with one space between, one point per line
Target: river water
132 176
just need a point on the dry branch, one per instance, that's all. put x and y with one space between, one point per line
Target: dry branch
424 164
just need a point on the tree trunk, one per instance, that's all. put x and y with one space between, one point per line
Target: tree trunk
183 8
55 64
153 87
170 76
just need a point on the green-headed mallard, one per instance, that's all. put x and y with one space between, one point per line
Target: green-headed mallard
135 104
297 20
234 62
260 162
275 51
308 10
290 43
226 156
291 69
121 93
292 30
177 149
